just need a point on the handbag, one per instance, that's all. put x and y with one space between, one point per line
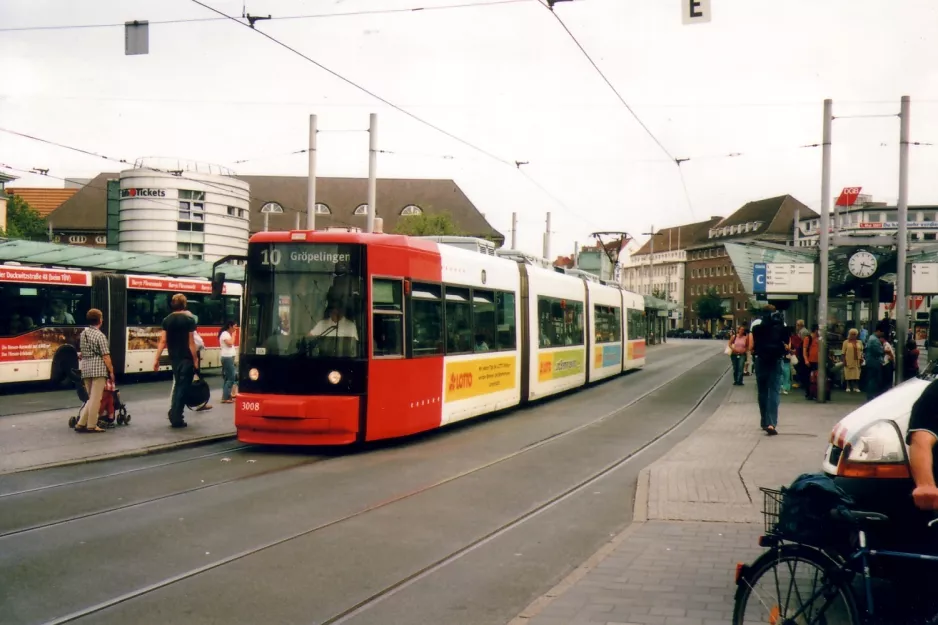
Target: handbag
728 351
794 360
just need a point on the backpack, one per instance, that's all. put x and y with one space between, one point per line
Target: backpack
770 339
805 514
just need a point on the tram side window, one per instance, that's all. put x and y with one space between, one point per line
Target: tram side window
458 321
483 320
426 328
388 318
149 308
608 324
560 322
636 327
505 320
26 307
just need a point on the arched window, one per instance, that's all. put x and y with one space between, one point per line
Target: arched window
411 209
322 209
362 209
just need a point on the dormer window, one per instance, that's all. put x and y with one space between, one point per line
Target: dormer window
322 209
362 209
411 209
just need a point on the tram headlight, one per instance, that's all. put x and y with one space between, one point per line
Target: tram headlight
335 377
254 374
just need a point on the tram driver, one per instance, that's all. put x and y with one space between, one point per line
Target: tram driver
336 334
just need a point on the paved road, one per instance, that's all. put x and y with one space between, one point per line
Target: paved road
26 398
464 526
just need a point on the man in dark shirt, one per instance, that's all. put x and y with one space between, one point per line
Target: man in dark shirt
178 338
767 341
923 434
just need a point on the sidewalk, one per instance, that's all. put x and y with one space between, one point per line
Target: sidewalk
43 439
697 513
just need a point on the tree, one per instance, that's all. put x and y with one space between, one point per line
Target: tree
23 221
424 224
709 306
656 292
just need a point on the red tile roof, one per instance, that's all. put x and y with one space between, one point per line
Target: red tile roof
43 199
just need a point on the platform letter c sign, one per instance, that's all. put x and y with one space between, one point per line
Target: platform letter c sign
758 277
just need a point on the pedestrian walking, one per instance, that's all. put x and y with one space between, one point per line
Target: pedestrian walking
809 354
889 365
874 357
853 358
230 376
797 362
178 337
739 348
96 370
769 339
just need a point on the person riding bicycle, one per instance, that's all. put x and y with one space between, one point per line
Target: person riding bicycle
922 436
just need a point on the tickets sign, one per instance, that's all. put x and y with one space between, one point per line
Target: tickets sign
44 276
556 365
473 378
166 284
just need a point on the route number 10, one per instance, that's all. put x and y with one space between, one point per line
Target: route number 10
270 257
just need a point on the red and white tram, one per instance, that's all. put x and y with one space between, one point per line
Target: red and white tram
352 337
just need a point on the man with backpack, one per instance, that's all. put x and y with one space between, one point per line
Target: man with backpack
769 340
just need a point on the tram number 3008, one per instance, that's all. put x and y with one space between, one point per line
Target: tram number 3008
460 381
252 406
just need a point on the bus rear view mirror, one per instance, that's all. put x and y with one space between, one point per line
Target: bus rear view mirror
218 284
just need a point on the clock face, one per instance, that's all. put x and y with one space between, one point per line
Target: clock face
862 265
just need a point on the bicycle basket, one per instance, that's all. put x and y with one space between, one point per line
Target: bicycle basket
771 507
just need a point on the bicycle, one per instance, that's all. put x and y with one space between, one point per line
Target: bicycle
830 598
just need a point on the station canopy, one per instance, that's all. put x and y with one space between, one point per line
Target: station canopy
654 303
38 253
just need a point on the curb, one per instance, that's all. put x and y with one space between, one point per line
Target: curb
640 509
144 451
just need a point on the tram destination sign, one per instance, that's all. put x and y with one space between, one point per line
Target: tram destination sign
924 278
782 278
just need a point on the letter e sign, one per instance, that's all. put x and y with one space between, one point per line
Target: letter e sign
695 11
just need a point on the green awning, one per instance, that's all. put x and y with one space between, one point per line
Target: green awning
38 253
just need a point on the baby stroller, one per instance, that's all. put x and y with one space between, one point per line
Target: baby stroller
112 409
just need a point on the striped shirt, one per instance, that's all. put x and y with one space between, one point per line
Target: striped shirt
94 348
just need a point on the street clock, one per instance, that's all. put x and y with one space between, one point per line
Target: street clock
862 264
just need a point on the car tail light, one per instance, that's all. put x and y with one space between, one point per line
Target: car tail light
740 567
876 452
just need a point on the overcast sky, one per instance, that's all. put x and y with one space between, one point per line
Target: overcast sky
506 78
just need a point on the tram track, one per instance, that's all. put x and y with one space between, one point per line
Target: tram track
238 447
391 589
26 491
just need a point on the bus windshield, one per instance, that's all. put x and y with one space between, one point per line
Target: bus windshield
304 300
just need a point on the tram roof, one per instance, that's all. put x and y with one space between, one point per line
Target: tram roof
96 259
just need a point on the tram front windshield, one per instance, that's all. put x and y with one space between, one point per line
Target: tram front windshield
305 300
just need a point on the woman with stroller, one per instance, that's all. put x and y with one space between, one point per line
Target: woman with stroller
96 370
228 349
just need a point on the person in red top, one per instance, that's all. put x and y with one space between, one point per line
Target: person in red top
809 353
799 369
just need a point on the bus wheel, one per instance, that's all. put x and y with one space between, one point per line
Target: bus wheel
65 360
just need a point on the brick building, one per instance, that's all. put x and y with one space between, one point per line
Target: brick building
709 266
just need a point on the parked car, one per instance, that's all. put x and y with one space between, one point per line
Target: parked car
867 456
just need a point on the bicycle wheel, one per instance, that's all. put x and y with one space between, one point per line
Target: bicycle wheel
791 586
